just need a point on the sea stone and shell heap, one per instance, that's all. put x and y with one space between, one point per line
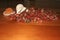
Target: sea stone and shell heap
23 14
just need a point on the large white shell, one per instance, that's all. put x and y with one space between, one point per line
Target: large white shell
20 8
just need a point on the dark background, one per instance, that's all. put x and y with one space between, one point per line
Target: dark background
28 3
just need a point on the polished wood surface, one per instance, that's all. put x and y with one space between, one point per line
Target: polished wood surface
10 30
